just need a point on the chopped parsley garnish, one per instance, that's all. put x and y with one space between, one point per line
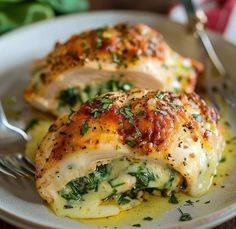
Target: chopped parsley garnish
173 199
184 216
174 105
130 143
98 43
207 202
189 202
223 159
161 111
160 95
148 218
99 31
106 104
115 58
197 117
127 112
96 112
137 132
84 128
141 113
32 123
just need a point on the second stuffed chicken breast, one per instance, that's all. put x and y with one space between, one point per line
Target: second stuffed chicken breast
111 58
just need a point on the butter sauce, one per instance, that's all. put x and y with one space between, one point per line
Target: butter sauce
154 208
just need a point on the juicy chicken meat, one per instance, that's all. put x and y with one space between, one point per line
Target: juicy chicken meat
107 59
100 159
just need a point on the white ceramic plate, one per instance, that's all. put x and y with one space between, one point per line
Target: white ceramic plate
19 201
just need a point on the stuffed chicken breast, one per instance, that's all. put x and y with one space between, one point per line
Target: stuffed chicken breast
107 59
102 158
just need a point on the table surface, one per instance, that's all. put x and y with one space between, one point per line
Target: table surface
150 5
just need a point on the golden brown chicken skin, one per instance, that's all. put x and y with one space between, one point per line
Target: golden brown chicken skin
110 58
172 140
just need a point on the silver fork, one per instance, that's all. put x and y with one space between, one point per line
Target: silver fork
225 85
14 164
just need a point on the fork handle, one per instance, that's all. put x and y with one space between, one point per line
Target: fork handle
196 22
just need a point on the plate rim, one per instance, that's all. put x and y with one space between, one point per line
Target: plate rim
138 12
219 216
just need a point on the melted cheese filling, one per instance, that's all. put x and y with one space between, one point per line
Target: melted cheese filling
114 187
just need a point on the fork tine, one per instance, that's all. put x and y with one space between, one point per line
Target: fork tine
19 158
21 167
28 162
15 164
28 171
11 165
6 171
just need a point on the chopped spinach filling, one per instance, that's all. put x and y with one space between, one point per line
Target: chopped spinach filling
71 96
169 183
143 176
76 188
144 181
